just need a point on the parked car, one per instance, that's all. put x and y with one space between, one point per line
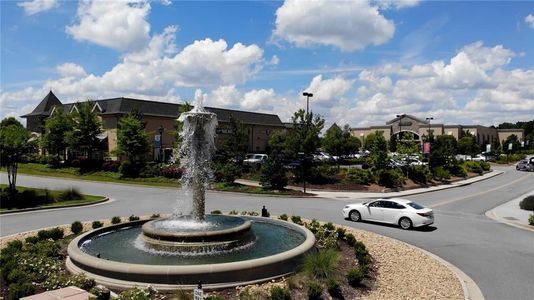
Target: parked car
256 160
405 213
415 162
478 157
522 165
323 156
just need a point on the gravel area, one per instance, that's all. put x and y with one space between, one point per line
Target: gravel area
401 271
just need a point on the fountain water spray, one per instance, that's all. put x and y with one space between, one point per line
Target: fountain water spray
198 145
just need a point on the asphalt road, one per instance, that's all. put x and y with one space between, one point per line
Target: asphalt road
499 258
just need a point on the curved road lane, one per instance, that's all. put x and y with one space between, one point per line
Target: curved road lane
499 258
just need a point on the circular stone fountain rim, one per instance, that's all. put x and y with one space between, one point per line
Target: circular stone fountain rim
77 255
153 232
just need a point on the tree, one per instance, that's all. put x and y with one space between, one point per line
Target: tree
408 146
304 137
511 140
132 142
273 173
377 145
14 144
86 128
468 145
56 128
10 121
340 142
236 142
443 151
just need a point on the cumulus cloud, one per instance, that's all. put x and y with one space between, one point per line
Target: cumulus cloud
37 6
71 70
326 92
347 25
120 25
530 20
398 4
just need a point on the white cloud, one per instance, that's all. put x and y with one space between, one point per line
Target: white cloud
71 70
328 91
121 25
37 6
274 60
530 20
398 4
166 2
348 25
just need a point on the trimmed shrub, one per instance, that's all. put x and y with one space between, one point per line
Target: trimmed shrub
96 224
54 234
362 254
19 290
315 290
233 212
111 166
216 212
334 289
133 218
473 166
228 172
296 220
419 174
279 293
115 220
360 176
69 194
214 297
283 217
355 277
172 171
76 227
531 220
527 203
351 239
154 216
391 178
273 174
340 232
441 173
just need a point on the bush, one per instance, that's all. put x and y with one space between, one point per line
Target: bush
322 264
216 212
19 290
233 212
130 169
96 224
283 217
296 220
279 293
473 166
273 174
154 216
136 294
355 277
133 218
334 289
115 220
76 227
54 234
351 239
111 166
531 220
362 254
172 171
340 233
441 173
360 176
419 174
315 290
149 170
527 203
228 172
214 297
391 178
70 194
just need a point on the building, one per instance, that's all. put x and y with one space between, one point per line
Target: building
421 128
160 120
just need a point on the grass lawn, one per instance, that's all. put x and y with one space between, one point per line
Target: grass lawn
87 199
238 188
73 173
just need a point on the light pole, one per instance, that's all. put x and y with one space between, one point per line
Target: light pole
160 142
400 124
305 162
428 132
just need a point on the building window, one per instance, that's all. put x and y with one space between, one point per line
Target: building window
268 131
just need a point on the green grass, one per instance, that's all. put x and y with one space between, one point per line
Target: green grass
87 199
73 173
238 188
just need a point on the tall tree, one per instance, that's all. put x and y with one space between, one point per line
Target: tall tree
443 152
132 139
409 145
56 128
339 141
235 144
10 121
468 145
14 145
377 145
304 137
86 128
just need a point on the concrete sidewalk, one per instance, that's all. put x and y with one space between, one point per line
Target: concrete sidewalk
357 195
510 213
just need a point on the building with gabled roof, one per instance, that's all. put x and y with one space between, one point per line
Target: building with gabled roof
158 117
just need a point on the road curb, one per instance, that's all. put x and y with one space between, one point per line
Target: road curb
492 214
26 210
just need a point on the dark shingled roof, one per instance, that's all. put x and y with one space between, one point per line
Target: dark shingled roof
44 108
223 115
407 116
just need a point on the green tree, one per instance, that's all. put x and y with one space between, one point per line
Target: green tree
408 146
511 140
14 145
304 137
10 121
377 145
273 173
235 144
86 128
277 143
132 141
56 129
443 151
339 141
468 144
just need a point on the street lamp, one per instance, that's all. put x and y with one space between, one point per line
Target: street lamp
305 162
428 132
160 142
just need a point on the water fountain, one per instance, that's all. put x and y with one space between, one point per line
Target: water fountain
221 251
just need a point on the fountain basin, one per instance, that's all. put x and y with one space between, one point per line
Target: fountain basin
245 266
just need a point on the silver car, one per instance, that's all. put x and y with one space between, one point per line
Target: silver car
522 165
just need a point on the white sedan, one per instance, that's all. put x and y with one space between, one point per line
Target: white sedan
405 213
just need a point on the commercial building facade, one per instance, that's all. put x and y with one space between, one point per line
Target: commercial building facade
396 127
159 119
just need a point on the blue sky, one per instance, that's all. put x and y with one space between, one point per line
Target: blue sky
365 61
